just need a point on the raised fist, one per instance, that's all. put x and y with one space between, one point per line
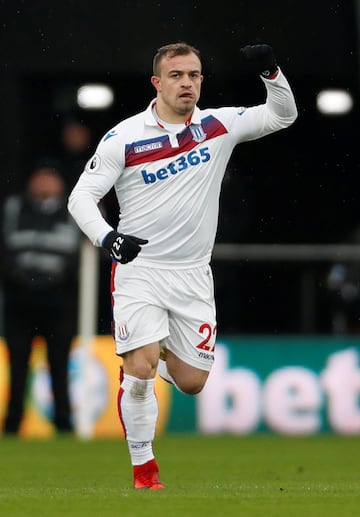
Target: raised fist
261 57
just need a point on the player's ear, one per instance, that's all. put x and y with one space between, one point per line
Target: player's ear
155 81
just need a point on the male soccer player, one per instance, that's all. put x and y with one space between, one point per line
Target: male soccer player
166 165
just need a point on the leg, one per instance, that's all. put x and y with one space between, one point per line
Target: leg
58 349
138 412
58 325
18 338
187 354
140 322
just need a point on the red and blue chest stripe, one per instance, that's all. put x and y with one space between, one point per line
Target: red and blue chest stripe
158 148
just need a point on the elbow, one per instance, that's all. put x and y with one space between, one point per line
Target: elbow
291 117
294 115
70 204
293 112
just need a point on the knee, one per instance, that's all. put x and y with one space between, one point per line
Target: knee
141 363
142 371
190 386
192 389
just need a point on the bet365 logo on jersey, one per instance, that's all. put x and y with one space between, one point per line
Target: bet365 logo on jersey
177 166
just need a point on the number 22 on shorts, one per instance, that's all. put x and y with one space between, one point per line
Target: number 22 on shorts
208 332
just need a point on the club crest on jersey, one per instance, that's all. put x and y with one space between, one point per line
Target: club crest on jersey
123 332
198 133
93 164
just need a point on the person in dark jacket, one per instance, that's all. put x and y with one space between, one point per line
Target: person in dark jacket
39 266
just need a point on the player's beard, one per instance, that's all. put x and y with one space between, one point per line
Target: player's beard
184 108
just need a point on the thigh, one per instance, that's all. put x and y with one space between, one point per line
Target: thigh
139 315
192 319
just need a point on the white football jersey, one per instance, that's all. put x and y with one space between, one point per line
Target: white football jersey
168 184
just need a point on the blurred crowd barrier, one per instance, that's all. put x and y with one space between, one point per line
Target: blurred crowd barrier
286 385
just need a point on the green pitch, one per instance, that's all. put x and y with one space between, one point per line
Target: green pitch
204 476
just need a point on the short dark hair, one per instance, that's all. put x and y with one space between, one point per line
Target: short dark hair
171 50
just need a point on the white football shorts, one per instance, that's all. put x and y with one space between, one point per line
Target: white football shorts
174 307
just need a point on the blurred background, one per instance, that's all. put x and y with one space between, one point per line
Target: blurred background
300 186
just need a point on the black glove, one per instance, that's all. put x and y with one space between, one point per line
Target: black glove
261 57
123 248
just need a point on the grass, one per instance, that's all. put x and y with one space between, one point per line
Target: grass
257 475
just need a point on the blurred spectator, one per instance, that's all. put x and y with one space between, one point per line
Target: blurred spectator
73 151
75 143
39 266
343 283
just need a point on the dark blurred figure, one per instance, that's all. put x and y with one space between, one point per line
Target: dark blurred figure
343 283
74 146
39 266
76 140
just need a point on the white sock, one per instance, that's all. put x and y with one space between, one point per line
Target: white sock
138 411
140 452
